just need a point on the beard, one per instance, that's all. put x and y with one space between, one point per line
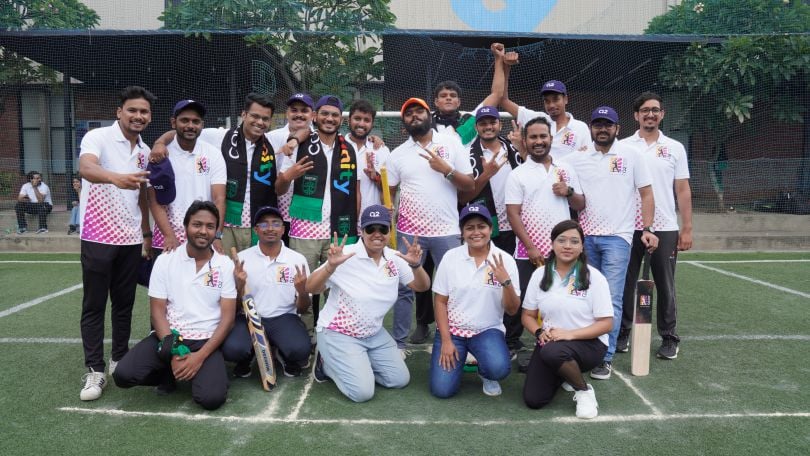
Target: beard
419 129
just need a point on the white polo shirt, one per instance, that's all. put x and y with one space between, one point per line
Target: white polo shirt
362 292
610 183
193 296
306 229
278 138
110 215
428 203
475 297
564 307
530 186
666 161
28 190
498 185
370 193
270 280
194 174
566 140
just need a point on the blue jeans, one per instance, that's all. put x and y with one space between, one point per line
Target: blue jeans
355 364
610 255
403 308
488 347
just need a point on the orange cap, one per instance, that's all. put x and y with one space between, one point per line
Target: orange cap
412 101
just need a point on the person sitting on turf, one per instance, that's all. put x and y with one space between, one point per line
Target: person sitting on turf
364 278
192 296
574 302
472 290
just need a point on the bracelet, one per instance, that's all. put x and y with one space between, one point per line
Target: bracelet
538 333
570 192
414 266
449 176
506 283
147 234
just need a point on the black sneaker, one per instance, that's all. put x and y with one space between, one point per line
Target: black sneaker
602 371
668 349
623 341
420 334
289 369
243 369
167 386
523 360
317 370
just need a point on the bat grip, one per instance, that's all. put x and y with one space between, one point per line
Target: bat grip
646 266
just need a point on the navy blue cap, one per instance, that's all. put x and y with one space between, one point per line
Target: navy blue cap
475 210
555 87
264 211
302 98
375 215
329 100
161 177
605 112
182 105
487 111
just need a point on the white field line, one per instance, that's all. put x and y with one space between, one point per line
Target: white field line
635 390
294 414
34 302
743 261
272 407
39 262
752 280
51 340
360 422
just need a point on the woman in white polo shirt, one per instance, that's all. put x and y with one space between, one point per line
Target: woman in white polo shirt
364 278
574 302
472 289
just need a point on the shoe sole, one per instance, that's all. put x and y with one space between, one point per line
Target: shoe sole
661 356
600 376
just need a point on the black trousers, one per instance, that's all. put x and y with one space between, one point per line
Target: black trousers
514 328
287 333
542 378
662 265
525 271
26 207
142 367
107 271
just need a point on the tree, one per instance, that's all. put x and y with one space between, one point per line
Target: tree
328 44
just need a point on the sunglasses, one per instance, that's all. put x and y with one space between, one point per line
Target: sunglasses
382 229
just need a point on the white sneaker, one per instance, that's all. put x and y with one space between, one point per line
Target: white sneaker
587 407
567 387
470 359
404 353
112 366
491 387
94 383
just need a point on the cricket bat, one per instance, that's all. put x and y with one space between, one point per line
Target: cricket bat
261 346
642 322
386 196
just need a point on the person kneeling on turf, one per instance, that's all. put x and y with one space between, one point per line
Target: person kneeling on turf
192 296
574 302
364 279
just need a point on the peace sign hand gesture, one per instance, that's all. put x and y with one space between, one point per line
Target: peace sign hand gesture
239 273
498 268
300 279
494 165
335 256
437 163
413 254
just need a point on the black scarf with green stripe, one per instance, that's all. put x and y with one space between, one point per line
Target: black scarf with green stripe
309 189
262 178
477 161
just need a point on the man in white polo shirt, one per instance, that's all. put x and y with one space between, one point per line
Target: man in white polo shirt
34 198
115 217
429 169
611 173
192 297
369 158
666 160
276 276
353 348
199 174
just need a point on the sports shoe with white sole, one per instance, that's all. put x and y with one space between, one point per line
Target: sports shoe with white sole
94 383
602 371
112 366
669 349
405 353
587 407
317 370
567 387
491 387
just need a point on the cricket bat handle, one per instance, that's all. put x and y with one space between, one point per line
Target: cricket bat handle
389 204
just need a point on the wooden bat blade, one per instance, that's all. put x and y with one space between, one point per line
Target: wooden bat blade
642 329
261 346
389 204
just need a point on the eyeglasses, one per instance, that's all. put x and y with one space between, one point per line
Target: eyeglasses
650 110
382 229
273 224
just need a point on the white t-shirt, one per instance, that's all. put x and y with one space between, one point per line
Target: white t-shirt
278 138
110 215
498 184
194 174
428 203
475 297
28 190
610 183
362 292
530 186
567 139
306 229
193 296
270 280
666 161
370 193
564 307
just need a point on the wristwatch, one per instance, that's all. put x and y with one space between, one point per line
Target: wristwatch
649 229
218 235
449 176
506 283
538 332
570 192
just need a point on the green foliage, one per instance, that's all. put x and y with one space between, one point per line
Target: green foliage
329 45
766 52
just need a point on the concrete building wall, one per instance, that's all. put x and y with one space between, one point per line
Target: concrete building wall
127 15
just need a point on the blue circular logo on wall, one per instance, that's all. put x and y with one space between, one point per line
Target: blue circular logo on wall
503 15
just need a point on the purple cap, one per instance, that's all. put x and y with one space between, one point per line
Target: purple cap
475 210
329 100
302 98
264 211
161 177
605 112
487 111
182 105
555 87
375 215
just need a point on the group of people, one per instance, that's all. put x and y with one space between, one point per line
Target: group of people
487 241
